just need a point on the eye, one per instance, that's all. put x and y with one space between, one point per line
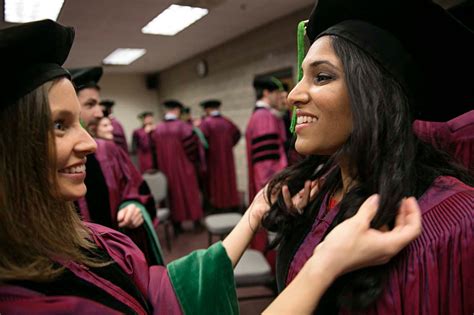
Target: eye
321 78
59 125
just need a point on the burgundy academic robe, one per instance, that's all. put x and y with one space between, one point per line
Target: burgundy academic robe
435 273
152 281
455 137
265 137
142 145
222 135
111 180
176 152
119 134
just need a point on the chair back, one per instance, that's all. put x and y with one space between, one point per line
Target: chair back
158 185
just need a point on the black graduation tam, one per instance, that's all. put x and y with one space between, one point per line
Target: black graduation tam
31 55
210 104
266 83
423 47
172 104
107 103
86 77
144 114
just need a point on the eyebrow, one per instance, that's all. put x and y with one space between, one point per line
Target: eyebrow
316 63
62 112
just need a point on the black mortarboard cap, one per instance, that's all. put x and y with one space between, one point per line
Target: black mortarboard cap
172 104
144 114
86 77
421 45
32 54
266 83
107 103
210 104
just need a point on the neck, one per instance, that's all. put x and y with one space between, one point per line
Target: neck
347 180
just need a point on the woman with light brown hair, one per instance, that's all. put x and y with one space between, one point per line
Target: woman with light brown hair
52 263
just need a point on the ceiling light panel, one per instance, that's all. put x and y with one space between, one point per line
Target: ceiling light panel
123 56
22 11
174 19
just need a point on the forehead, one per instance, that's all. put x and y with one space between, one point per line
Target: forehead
322 49
89 93
62 96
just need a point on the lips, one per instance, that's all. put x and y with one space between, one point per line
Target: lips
77 169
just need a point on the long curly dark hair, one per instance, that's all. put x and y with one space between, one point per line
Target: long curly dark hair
384 157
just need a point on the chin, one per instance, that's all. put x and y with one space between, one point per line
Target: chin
73 193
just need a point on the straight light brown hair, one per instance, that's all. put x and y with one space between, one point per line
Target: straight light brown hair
37 228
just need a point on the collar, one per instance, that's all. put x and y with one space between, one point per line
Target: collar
169 116
261 103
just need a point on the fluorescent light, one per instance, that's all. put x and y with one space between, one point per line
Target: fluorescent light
124 56
22 11
174 19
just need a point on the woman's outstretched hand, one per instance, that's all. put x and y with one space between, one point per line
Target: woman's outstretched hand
353 244
261 205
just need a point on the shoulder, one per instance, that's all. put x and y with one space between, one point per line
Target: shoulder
447 212
118 245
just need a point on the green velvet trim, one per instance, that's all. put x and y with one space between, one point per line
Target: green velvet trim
204 282
150 232
201 136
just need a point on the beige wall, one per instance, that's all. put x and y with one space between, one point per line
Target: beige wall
131 98
232 67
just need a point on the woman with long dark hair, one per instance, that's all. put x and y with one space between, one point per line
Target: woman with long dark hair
53 263
372 68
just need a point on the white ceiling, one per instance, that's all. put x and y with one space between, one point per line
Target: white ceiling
104 25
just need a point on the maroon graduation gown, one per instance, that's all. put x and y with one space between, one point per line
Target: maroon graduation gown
119 134
222 135
455 137
143 146
265 137
435 273
152 282
176 152
111 180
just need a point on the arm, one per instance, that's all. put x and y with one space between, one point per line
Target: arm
351 245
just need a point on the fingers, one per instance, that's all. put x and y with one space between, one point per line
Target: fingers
304 195
126 216
406 228
287 197
368 209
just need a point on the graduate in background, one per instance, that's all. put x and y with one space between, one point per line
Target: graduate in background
143 144
265 137
177 151
119 132
116 192
222 135
102 129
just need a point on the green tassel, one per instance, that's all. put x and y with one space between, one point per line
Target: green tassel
300 43
83 125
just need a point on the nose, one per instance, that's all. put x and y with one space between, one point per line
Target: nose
299 95
85 144
98 111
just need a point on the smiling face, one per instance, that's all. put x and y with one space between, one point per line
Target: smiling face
105 129
72 142
323 106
